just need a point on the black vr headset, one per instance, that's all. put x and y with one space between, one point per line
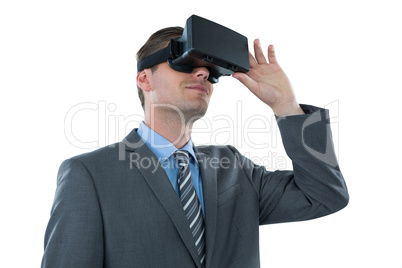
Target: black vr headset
203 44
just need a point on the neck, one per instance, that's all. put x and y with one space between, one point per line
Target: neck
172 126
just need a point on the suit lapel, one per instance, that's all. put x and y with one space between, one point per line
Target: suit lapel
159 182
209 185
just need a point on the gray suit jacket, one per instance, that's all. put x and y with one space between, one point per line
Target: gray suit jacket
115 207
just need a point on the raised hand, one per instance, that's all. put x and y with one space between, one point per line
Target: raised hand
269 83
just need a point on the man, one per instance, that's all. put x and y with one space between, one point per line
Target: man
155 200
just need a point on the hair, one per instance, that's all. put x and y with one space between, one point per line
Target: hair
156 42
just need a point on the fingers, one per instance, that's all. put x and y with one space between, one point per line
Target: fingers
252 60
259 55
271 54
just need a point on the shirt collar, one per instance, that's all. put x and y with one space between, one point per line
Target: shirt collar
159 145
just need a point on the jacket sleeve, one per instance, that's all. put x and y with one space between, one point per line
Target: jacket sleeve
315 187
74 236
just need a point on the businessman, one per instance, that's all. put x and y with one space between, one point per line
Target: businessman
156 200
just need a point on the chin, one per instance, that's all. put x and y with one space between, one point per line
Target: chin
195 113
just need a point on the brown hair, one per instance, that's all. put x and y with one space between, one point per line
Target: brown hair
156 42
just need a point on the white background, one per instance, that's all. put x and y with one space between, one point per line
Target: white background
343 55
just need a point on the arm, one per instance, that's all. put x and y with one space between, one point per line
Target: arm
316 186
74 235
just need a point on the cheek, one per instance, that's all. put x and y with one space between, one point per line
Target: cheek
211 89
166 90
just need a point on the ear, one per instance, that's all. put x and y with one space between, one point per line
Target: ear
143 80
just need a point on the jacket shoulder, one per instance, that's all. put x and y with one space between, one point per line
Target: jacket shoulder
214 148
104 154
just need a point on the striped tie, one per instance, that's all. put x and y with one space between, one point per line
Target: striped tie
191 204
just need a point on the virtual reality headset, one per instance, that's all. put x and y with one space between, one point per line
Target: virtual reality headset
203 44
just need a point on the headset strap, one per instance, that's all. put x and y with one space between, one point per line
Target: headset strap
171 51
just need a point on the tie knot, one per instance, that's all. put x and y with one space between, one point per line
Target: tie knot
182 157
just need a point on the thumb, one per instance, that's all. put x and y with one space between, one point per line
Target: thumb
246 80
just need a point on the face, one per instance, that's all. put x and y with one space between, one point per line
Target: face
173 91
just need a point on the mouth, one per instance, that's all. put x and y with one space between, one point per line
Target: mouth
200 88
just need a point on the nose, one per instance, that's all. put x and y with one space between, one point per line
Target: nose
201 72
